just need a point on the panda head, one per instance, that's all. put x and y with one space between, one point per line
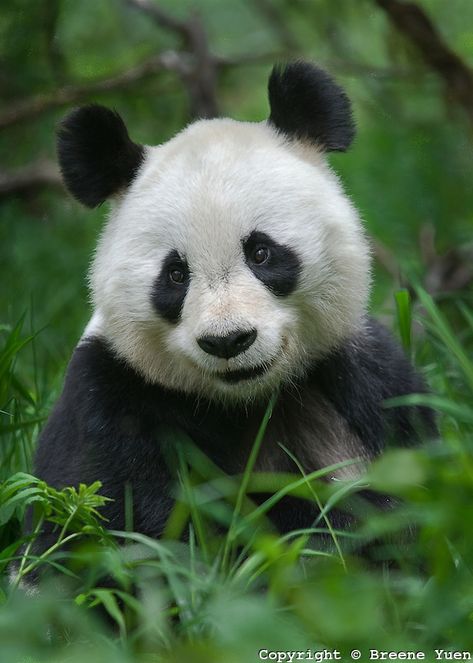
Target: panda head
232 259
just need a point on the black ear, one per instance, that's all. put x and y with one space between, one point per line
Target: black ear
96 155
306 103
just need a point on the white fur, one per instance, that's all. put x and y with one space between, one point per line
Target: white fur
200 194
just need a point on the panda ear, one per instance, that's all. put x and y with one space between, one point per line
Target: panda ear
96 156
306 103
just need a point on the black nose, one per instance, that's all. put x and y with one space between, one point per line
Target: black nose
228 346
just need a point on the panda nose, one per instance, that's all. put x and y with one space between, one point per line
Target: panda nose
228 346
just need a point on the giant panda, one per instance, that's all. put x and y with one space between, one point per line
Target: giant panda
232 266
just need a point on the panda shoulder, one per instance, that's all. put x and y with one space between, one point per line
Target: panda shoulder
361 375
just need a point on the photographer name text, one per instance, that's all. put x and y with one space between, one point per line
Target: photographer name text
357 655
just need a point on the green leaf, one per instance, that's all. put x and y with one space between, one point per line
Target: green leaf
404 317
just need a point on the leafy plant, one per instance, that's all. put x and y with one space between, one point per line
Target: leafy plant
236 585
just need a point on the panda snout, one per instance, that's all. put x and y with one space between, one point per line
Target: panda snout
229 345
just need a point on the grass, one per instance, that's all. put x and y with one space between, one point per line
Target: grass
236 587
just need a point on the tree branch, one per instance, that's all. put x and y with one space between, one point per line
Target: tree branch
414 23
30 178
71 94
201 80
161 17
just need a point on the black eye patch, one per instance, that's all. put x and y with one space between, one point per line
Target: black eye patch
168 291
275 265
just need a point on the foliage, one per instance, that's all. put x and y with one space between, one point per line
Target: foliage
232 590
221 584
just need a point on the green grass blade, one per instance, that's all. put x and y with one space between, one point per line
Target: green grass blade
404 317
445 333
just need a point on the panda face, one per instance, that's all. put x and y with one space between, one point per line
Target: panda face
231 259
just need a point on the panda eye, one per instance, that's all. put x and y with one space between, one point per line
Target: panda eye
177 275
260 255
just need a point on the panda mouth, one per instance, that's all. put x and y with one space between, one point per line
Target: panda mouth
232 377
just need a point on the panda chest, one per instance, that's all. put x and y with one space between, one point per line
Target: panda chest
310 434
304 432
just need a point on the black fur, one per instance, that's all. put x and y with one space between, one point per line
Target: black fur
280 273
357 378
168 297
306 103
96 155
110 425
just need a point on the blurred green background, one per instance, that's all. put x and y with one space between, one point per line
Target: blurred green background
407 68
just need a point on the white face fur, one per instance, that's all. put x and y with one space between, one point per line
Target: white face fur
201 195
